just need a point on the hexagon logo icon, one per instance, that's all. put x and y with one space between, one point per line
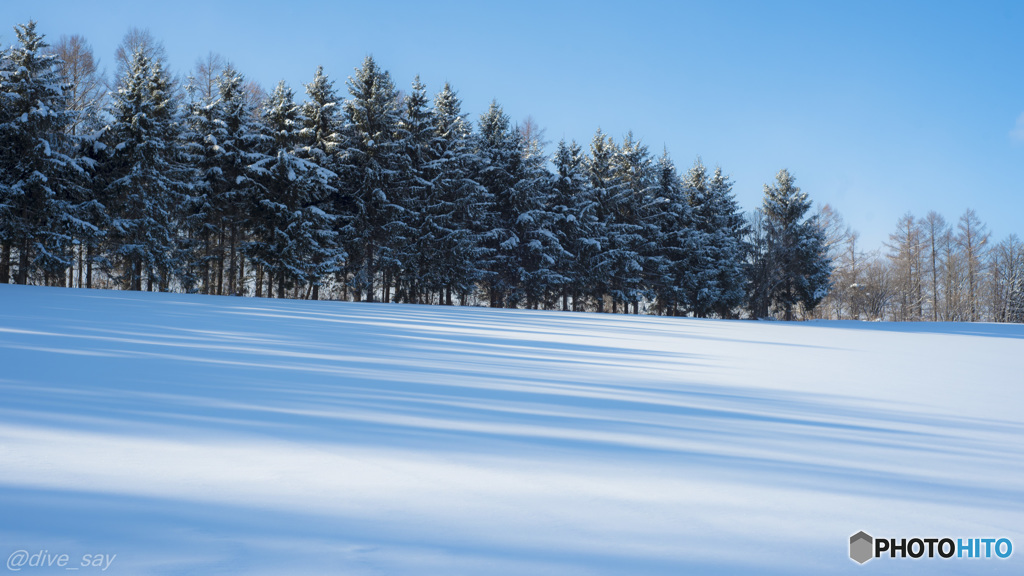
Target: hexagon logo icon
861 545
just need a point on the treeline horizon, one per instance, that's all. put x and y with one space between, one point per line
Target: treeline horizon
209 184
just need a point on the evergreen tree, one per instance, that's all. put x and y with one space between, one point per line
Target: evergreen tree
225 141
541 249
519 243
293 237
500 164
730 229
574 216
605 189
630 251
39 182
407 264
674 283
145 181
717 265
796 267
373 162
447 242
323 142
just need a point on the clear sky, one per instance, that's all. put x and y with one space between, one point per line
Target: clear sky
877 108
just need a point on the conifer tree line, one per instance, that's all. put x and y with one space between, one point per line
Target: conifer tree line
208 184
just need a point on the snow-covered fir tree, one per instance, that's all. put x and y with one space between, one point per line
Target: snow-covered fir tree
630 240
146 182
677 240
541 249
293 237
730 228
519 245
322 144
500 158
371 166
225 140
718 262
791 267
447 242
574 222
40 176
407 265
606 189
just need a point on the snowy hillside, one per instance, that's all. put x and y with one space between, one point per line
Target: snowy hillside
216 435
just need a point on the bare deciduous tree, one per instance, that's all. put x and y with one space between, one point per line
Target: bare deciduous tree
85 84
905 255
972 236
934 228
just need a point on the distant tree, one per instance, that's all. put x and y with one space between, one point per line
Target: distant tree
954 279
138 40
84 84
206 76
934 228
906 253
973 236
875 291
837 239
1007 281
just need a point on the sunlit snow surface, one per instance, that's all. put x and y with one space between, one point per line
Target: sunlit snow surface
214 435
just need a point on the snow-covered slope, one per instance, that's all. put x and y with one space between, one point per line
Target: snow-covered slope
202 435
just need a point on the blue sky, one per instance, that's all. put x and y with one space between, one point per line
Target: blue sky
877 108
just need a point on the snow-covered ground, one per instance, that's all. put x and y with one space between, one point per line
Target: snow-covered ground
214 435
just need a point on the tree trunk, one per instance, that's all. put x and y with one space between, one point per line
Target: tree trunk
259 280
220 261
5 263
70 282
81 252
22 276
206 263
136 280
88 266
240 288
316 291
231 263
369 272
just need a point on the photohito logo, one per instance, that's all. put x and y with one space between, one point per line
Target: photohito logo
864 547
